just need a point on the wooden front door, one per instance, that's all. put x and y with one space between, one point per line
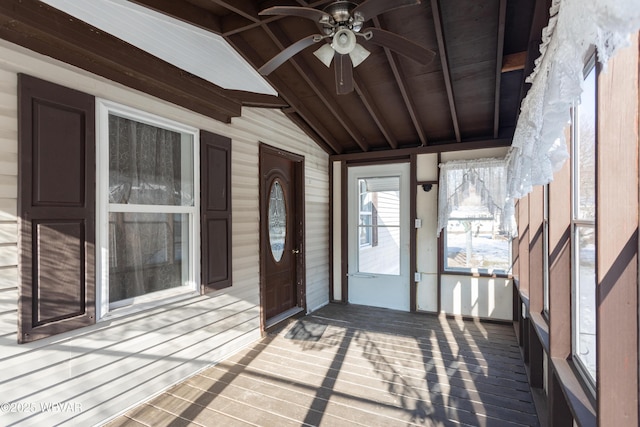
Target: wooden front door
282 225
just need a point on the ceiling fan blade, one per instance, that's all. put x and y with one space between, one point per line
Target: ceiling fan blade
302 12
325 54
371 8
287 53
401 45
344 74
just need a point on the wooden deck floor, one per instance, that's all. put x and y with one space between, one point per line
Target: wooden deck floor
353 365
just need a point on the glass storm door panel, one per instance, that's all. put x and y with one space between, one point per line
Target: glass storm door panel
378 233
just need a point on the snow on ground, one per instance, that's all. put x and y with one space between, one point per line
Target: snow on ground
487 251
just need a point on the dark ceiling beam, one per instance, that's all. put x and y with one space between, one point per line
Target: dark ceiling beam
293 115
539 21
252 99
514 61
443 147
375 113
499 54
46 30
306 73
234 24
402 85
311 120
245 8
186 12
249 53
446 70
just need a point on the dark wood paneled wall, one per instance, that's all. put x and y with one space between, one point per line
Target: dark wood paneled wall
617 240
542 336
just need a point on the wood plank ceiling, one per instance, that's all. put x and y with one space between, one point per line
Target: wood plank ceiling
468 96
470 92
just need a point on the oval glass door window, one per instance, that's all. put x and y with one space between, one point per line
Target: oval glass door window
277 221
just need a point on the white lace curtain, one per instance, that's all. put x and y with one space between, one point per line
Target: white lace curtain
539 149
478 187
145 168
144 164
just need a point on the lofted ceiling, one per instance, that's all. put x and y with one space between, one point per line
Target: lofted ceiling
470 92
468 96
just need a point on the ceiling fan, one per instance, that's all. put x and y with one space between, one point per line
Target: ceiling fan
342 23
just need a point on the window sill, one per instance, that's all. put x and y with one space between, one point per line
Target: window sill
542 329
582 409
476 274
523 292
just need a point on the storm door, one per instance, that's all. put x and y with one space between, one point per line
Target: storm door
378 239
282 225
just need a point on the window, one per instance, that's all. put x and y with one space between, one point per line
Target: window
113 204
148 205
368 232
366 211
277 221
379 225
473 206
545 251
583 202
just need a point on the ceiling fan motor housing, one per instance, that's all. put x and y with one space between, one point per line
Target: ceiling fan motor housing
342 22
341 14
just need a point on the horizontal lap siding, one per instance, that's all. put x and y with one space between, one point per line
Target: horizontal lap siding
117 363
124 364
275 129
8 203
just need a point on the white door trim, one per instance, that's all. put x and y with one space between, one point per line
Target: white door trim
379 290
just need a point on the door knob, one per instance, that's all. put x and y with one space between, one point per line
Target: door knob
295 251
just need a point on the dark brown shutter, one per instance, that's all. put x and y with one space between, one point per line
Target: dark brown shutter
57 209
215 171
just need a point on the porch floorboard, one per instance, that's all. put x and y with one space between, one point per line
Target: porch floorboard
354 365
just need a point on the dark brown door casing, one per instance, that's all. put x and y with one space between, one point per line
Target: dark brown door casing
215 171
282 266
56 188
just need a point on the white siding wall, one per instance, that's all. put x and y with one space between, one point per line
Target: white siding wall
107 368
482 297
8 203
337 231
426 243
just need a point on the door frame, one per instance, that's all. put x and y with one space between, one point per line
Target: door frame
343 217
405 168
299 207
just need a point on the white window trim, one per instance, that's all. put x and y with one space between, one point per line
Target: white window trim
575 224
446 193
545 251
104 309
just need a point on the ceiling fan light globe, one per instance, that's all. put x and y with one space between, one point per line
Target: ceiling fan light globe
325 54
358 55
344 41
